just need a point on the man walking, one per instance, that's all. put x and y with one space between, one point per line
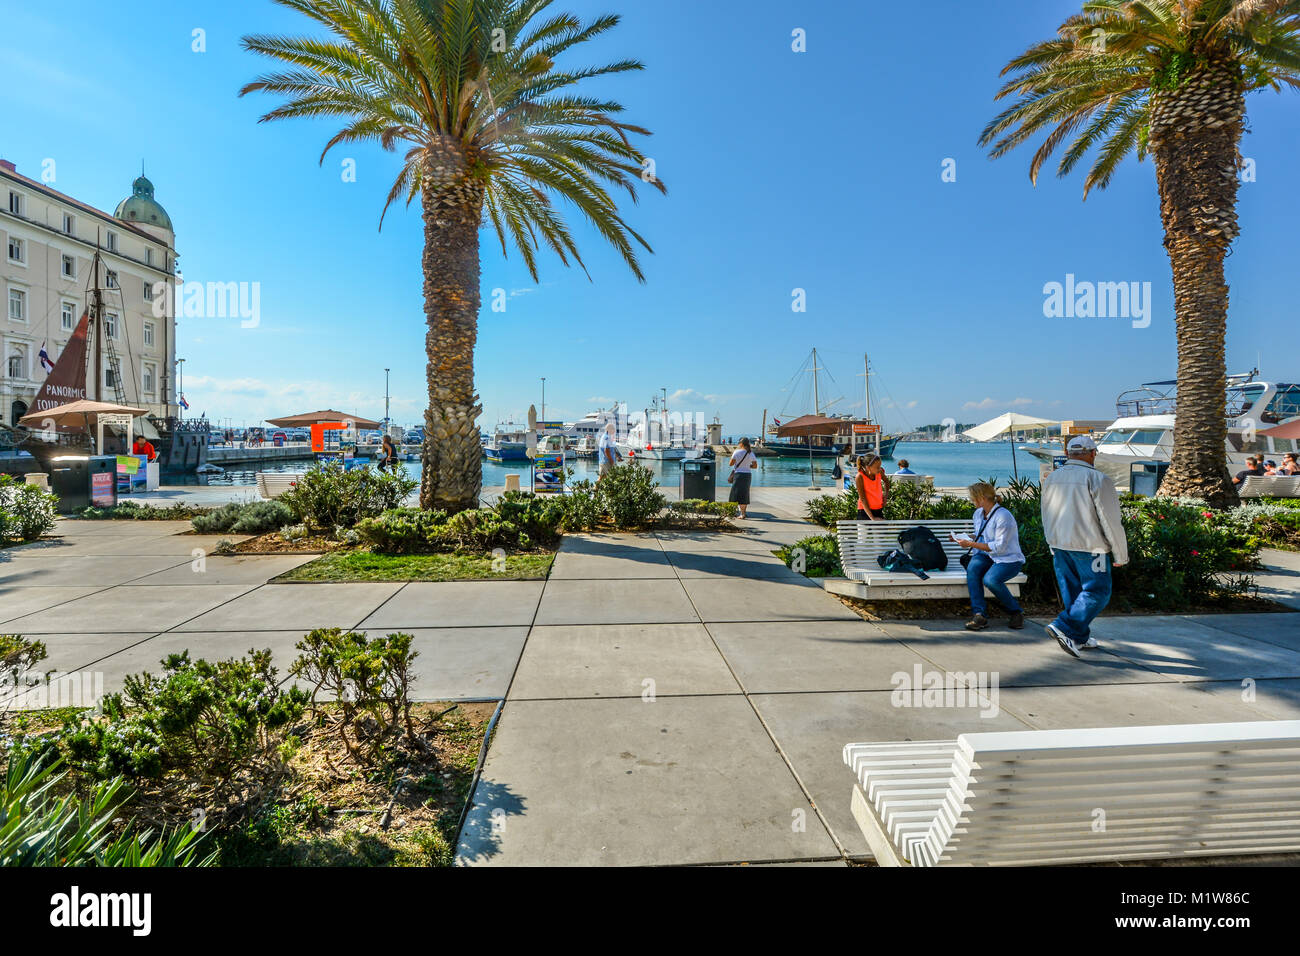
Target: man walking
1081 520
607 450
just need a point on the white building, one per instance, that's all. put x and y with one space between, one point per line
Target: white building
47 244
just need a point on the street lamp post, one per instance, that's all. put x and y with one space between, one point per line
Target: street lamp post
387 421
543 398
180 387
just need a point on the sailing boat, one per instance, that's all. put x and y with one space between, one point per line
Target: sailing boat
842 434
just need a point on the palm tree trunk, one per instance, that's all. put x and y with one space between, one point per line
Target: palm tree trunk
452 203
1195 137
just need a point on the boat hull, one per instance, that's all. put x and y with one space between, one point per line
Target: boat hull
506 452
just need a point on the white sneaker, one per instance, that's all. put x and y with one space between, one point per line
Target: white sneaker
1090 644
1066 643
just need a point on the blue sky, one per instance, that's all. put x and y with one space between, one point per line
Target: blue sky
818 171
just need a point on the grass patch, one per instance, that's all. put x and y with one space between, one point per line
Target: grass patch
367 566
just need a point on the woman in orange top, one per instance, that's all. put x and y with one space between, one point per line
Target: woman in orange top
872 485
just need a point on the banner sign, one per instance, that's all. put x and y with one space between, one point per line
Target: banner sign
127 464
103 491
865 429
550 427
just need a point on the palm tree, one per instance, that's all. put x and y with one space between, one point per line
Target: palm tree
490 126
1166 78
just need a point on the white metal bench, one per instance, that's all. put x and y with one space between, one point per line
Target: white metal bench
913 479
1080 796
862 541
272 484
1270 486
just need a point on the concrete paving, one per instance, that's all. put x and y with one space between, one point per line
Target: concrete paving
678 698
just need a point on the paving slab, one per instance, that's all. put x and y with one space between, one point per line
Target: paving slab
73 528
1275 698
17 603
620 564
457 604
1123 705
685 780
1280 578
617 660
130 545
675 541
784 599
646 601
606 543
1187 650
812 730
731 564
72 570
1280 629
227 569
296 607
800 656
152 608
1020 658
464 663
69 654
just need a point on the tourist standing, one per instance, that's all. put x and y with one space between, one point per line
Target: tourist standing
743 461
1081 521
387 454
607 450
872 485
995 557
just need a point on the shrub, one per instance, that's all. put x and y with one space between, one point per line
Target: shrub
26 512
222 724
826 510
699 506
39 828
401 531
519 522
821 556
627 494
537 516
134 511
18 659
329 497
369 678
250 517
582 507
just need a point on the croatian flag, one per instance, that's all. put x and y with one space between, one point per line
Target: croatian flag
184 404
45 360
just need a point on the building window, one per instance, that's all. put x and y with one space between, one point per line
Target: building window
110 279
148 334
110 378
16 365
16 204
17 250
148 378
69 267
148 291
110 242
148 256
69 224
110 324
67 316
17 305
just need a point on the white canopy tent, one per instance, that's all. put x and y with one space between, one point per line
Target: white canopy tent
1007 423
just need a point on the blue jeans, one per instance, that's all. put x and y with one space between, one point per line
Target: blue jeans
1085 583
983 572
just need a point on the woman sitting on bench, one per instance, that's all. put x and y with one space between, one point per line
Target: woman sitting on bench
994 557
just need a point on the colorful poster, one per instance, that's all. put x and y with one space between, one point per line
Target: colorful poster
127 464
102 489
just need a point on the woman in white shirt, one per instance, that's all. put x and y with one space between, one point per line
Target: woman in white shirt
743 461
995 557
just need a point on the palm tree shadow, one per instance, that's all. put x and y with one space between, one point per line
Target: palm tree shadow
491 806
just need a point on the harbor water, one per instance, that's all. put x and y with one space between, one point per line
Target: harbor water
950 463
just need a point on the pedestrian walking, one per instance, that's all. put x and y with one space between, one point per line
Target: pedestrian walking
1081 521
743 461
606 450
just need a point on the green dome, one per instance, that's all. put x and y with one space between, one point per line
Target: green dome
140 206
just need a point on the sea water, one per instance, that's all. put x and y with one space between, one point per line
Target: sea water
950 463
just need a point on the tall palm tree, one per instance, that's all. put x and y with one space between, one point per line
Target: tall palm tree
491 126
1165 78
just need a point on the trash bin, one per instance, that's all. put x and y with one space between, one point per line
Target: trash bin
70 480
1144 477
697 479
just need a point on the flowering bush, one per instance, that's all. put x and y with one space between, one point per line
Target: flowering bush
26 512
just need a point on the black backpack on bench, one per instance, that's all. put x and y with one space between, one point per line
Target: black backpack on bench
922 546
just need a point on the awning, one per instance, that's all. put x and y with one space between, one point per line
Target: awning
1010 422
1289 429
807 425
77 414
307 419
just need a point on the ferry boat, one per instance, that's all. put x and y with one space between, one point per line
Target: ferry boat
509 442
853 435
655 436
1143 429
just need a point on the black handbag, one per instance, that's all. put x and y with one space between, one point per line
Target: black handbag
965 558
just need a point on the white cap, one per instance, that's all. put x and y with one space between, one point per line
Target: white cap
1081 443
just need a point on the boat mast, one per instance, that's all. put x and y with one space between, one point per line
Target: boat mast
866 385
817 403
99 329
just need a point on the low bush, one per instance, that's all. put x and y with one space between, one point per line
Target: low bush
582 507
329 497
519 521
700 506
134 511
627 494
817 556
368 680
26 512
250 517
18 660
220 727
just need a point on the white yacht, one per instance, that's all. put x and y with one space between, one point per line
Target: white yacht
1144 426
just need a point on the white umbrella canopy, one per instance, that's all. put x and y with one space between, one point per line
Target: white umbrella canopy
1008 422
77 414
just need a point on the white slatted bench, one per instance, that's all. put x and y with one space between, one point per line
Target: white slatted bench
1270 486
862 541
272 484
1081 796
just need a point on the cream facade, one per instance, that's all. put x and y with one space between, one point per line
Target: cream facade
47 245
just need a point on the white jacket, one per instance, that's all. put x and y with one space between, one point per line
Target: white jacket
1081 512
